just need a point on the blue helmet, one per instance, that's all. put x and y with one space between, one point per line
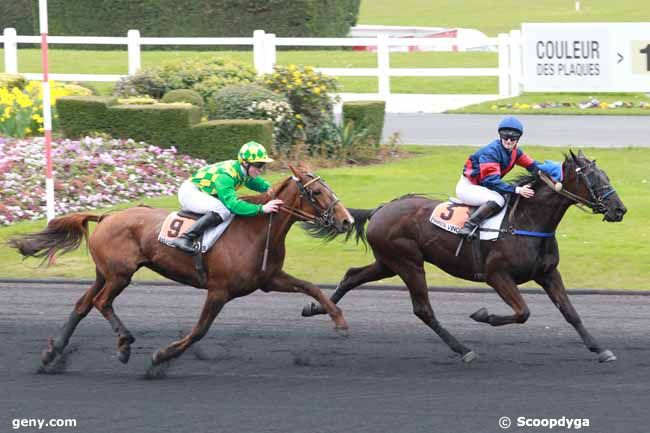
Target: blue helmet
511 122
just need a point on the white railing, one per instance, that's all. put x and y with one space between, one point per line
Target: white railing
264 45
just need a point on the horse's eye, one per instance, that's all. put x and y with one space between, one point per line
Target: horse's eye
317 192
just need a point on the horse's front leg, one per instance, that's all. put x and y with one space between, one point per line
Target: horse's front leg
554 287
283 282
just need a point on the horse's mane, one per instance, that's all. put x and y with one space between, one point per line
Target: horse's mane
264 197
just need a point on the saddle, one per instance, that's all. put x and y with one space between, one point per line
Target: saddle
179 222
451 216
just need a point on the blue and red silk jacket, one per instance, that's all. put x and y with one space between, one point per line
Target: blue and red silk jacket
488 165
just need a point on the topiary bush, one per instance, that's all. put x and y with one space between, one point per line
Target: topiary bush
83 115
183 95
219 140
204 76
368 115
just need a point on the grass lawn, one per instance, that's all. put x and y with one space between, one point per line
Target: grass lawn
493 18
594 254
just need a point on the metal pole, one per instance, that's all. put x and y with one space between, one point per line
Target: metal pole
47 111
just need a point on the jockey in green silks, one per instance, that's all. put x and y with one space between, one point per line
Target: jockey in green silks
211 191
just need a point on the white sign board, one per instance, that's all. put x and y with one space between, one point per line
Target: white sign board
586 57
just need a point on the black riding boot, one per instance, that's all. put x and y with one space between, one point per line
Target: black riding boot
486 210
185 242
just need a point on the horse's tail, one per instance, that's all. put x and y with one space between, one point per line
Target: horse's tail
61 234
361 217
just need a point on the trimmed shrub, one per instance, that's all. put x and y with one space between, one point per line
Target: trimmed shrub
234 102
367 115
82 115
161 124
13 80
218 140
204 76
19 15
183 95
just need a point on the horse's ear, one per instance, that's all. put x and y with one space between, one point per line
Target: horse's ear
295 171
573 155
581 154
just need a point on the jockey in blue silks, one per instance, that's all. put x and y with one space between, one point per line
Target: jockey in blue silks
481 183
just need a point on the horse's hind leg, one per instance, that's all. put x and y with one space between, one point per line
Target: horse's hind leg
414 278
214 302
104 303
507 289
354 277
554 287
82 308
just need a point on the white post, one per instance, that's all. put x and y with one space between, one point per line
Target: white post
11 51
383 64
258 51
504 65
577 5
133 44
516 60
270 53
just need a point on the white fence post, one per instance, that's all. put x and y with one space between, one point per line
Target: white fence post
258 51
504 66
383 65
11 50
270 53
133 37
516 61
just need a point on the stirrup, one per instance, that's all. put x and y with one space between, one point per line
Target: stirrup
190 247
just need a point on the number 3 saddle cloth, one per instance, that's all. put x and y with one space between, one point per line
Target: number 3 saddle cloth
178 223
451 216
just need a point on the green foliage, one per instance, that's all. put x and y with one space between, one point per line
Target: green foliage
183 95
235 101
17 14
161 124
205 76
308 93
13 80
221 139
193 18
368 115
83 115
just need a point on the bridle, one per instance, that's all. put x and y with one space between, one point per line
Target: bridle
597 194
324 216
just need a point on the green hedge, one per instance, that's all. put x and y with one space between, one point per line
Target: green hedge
366 114
183 95
19 15
218 140
160 124
82 115
211 18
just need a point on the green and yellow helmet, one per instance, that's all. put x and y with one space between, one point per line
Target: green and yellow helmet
253 152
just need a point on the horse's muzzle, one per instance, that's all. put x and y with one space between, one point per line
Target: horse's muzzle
615 215
346 226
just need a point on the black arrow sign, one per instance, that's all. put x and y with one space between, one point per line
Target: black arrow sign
620 57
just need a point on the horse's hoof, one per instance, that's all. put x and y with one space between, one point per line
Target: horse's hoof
342 331
469 357
124 355
50 352
480 315
157 371
606 356
309 310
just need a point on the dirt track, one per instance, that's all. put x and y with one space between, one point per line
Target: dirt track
269 370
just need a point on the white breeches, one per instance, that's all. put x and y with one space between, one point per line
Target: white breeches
476 195
194 200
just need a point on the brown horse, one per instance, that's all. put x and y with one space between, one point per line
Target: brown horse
125 241
402 239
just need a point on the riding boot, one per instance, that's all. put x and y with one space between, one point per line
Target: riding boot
485 211
185 242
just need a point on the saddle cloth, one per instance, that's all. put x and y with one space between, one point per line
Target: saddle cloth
176 224
451 216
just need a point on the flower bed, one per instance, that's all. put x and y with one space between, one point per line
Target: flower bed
88 174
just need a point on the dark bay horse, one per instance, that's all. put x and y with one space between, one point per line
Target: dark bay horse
125 241
402 239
